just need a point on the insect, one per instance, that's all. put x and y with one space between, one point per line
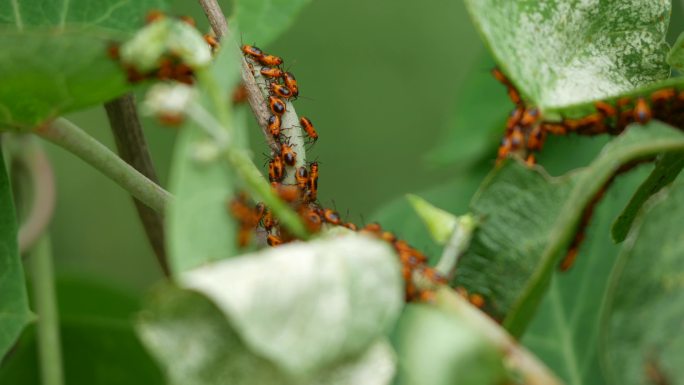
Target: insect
477 300
513 93
277 105
280 90
313 181
308 128
642 111
351 226
605 109
252 51
529 117
288 155
188 20
536 139
211 40
269 60
302 177
276 169
312 220
291 83
274 125
154 15
274 240
286 192
268 221
271 72
332 217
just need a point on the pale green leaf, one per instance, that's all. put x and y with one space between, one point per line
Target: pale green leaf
300 313
564 52
675 57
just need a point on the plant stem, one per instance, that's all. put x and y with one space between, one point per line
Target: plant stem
255 96
456 245
132 147
34 162
516 357
49 346
72 138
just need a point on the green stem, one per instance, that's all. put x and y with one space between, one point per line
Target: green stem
72 138
45 305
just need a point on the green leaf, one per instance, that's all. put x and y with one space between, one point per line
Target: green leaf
529 219
46 73
200 227
438 348
641 325
261 21
271 313
666 170
559 53
99 343
14 308
111 14
54 58
564 332
675 57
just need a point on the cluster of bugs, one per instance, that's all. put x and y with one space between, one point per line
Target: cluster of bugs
169 67
302 195
526 131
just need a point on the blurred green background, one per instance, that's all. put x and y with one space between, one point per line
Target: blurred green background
381 80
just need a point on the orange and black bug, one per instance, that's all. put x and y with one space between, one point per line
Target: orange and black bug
313 181
187 20
274 125
113 51
309 128
388 236
240 94
642 111
274 240
154 15
504 148
286 192
514 118
302 177
536 138
271 72
211 40
477 300
529 117
373 228
332 217
288 155
513 93
663 95
605 109
268 221
276 169
312 220
280 90
182 73
252 51
277 105
269 60
351 226
291 83
259 211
